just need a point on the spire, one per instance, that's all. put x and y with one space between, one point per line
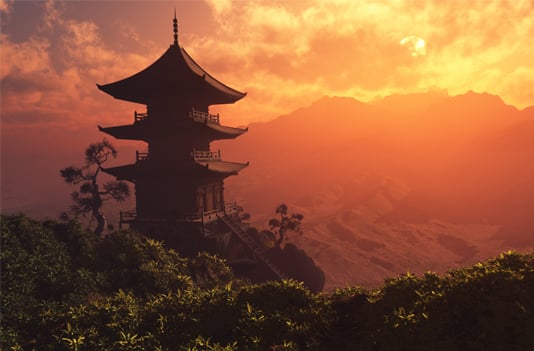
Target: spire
175 26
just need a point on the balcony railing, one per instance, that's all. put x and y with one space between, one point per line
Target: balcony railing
204 217
206 155
139 117
231 208
129 217
203 117
126 217
141 156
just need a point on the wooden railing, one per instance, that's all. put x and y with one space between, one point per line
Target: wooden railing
210 216
139 117
206 155
231 208
127 216
203 117
203 217
141 156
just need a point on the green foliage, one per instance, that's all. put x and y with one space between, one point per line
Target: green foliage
65 289
127 261
52 271
210 271
281 315
487 306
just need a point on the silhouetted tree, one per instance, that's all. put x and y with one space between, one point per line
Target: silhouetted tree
90 198
286 222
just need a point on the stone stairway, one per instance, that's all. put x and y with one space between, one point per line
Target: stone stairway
257 249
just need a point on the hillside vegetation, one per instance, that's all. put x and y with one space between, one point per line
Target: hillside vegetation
64 289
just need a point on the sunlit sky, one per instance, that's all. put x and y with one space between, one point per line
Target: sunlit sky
284 54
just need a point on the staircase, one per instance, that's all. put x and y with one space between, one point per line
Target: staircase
257 250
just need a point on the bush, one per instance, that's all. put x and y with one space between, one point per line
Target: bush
64 289
485 307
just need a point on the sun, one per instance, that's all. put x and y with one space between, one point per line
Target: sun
415 45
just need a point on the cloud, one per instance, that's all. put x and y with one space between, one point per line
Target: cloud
5 6
354 46
50 78
283 53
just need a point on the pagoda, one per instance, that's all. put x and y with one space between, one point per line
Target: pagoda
179 182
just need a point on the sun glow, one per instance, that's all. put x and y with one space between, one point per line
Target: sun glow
416 45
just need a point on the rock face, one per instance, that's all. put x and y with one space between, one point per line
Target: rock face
297 265
394 186
376 237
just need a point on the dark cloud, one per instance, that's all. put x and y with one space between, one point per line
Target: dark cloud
16 82
29 116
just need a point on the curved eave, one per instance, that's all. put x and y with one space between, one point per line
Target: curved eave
126 172
129 132
220 86
222 167
225 132
175 73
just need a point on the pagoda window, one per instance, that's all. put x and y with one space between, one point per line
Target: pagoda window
214 195
200 200
218 197
205 201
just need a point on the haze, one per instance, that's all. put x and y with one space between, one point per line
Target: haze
461 152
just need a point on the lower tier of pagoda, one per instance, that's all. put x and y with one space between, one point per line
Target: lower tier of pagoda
203 217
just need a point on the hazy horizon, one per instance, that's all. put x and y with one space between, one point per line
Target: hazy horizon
402 130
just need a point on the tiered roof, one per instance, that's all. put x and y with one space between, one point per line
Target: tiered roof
223 168
173 74
144 131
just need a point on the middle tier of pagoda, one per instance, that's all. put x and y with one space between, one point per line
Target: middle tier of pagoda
199 164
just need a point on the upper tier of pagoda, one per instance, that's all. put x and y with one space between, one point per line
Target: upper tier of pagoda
174 74
201 123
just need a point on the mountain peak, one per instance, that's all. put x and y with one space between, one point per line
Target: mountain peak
412 103
486 99
338 100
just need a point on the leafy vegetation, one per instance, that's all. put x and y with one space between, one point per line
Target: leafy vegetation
66 289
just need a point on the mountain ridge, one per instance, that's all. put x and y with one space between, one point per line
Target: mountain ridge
383 192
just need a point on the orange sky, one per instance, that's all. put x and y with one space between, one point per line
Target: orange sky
285 54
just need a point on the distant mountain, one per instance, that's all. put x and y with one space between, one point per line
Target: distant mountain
390 186
408 182
411 104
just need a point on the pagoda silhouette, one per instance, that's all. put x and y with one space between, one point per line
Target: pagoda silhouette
179 182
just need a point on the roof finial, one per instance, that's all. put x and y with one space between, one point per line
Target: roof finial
175 26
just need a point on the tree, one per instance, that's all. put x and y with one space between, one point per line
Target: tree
285 222
90 198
